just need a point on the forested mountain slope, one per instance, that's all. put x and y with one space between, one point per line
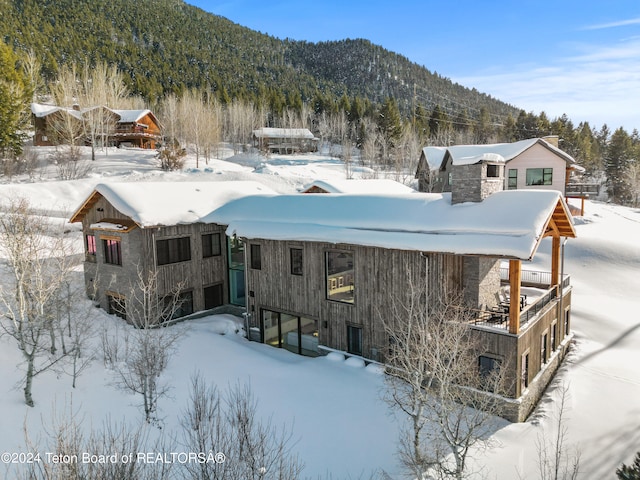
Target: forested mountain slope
168 46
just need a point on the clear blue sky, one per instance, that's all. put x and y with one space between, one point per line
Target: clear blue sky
581 58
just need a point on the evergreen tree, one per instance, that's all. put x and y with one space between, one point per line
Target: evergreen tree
631 472
509 131
618 159
15 94
389 121
439 121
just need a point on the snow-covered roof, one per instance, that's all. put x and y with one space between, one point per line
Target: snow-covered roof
125 116
461 154
283 133
151 204
371 186
40 110
130 116
506 224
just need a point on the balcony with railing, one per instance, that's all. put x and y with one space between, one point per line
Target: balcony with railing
582 190
535 295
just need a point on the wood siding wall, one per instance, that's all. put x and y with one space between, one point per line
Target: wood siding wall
380 276
138 252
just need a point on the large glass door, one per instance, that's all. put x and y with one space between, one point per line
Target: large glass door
235 253
291 332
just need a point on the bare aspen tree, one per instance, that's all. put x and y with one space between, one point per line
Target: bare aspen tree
212 127
170 119
146 350
109 452
253 449
432 379
241 120
407 155
193 118
39 263
555 462
102 87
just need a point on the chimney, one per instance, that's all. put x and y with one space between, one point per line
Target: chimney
475 178
552 140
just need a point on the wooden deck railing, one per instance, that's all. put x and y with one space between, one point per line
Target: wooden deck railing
500 321
582 189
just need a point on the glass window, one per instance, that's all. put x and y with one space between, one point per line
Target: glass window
183 305
354 340
213 296
340 277
554 335
525 371
116 306
90 247
539 176
487 365
544 352
112 251
173 250
493 171
236 271
256 258
296 261
512 183
211 245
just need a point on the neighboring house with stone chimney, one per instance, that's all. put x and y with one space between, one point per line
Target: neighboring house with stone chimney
535 163
322 270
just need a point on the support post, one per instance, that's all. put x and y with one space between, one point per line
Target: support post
514 299
555 262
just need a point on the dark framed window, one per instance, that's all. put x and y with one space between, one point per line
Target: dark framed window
524 377
539 176
173 250
493 171
183 305
211 245
296 261
488 365
567 321
544 349
213 296
116 306
554 336
488 368
340 277
512 182
256 257
354 339
90 247
112 251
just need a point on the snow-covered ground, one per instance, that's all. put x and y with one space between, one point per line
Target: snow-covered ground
342 427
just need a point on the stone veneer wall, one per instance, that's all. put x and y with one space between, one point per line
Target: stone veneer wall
471 184
481 281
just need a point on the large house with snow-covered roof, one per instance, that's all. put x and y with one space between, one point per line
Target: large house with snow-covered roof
318 273
322 270
134 128
536 163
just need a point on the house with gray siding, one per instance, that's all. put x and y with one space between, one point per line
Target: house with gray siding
133 229
323 270
316 273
